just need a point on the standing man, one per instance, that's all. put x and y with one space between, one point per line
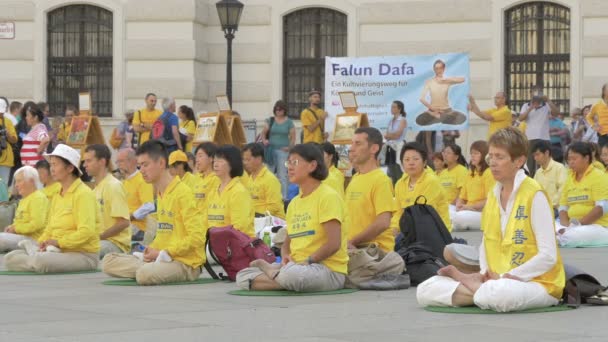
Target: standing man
551 175
170 135
369 197
263 185
140 195
313 120
558 133
8 136
112 201
599 112
498 117
536 115
144 118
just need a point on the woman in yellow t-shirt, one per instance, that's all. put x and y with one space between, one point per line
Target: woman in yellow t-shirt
230 203
583 219
30 216
187 125
452 178
419 180
70 241
335 178
477 184
204 170
314 254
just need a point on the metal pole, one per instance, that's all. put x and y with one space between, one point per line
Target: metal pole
229 36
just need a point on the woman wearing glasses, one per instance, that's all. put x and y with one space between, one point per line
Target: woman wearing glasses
314 253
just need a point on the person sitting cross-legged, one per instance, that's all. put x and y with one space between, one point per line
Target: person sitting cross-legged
314 253
178 250
520 265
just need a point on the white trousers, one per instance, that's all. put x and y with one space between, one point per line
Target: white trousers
9 242
582 236
501 295
466 219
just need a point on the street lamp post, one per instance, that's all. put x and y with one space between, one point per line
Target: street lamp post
229 12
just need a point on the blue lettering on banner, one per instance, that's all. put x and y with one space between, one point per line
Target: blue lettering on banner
520 213
517 258
302 234
519 237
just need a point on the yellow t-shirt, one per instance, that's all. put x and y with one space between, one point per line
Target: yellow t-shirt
452 181
190 127
427 185
64 131
305 217
502 119
138 192
598 165
600 109
194 183
552 180
580 197
231 207
335 179
209 182
112 200
308 118
476 187
147 117
51 190
245 180
367 196
181 229
6 156
265 190
72 220
31 214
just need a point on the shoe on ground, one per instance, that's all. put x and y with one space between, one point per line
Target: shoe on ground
387 282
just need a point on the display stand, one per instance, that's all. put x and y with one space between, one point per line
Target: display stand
344 129
235 124
86 128
212 127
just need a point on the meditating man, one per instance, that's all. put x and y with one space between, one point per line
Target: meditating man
520 265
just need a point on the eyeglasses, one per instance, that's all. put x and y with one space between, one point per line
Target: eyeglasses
293 162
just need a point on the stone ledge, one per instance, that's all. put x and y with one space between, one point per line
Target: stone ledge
411 12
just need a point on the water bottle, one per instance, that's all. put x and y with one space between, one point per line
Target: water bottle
266 239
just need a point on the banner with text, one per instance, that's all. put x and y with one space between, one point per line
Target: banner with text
433 89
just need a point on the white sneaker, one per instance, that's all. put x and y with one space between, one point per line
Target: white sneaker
30 246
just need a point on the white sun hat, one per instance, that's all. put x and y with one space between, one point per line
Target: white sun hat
67 153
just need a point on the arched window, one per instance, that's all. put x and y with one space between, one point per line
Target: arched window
79 57
537 39
308 36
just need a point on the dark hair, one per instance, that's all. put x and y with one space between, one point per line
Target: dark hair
542 146
232 155
581 148
43 164
14 106
183 164
256 150
190 156
595 148
604 90
374 137
188 112
75 171
101 151
439 61
401 107
482 147
208 147
413 146
35 110
279 105
154 149
150 94
458 151
312 152
330 149
42 105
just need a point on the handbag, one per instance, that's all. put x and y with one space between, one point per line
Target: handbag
370 262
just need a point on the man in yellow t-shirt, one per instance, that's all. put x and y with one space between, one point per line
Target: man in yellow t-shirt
263 185
369 196
145 117
598 117
115 237
551 175
499 117
8 136
66 126
140 195
313 120
178 250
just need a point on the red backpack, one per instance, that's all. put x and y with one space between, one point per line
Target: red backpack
234 250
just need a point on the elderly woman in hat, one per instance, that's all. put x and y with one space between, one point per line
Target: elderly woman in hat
70 241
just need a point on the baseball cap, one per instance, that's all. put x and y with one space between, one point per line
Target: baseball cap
177 156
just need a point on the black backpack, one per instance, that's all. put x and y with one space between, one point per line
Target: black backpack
424 236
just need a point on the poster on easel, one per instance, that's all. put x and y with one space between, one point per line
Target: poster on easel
84 103
235 125
347 123
212 127
86 128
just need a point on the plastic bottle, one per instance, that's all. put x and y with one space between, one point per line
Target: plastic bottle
266 239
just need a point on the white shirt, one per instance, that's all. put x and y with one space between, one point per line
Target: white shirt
542 226
537 126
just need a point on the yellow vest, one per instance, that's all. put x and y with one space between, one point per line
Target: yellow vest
519 243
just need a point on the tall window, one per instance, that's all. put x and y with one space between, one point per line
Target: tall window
538 53
79 57
308 36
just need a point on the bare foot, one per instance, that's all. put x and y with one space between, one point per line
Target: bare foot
470 281
447 271
259 263
269 269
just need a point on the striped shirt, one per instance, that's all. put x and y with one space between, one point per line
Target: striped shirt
31 142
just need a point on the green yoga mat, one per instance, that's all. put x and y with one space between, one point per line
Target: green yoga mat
132 282
477 310
583 246
280 293
41 274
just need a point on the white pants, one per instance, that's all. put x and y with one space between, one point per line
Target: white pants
582 236
501 295
9 242
466 219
